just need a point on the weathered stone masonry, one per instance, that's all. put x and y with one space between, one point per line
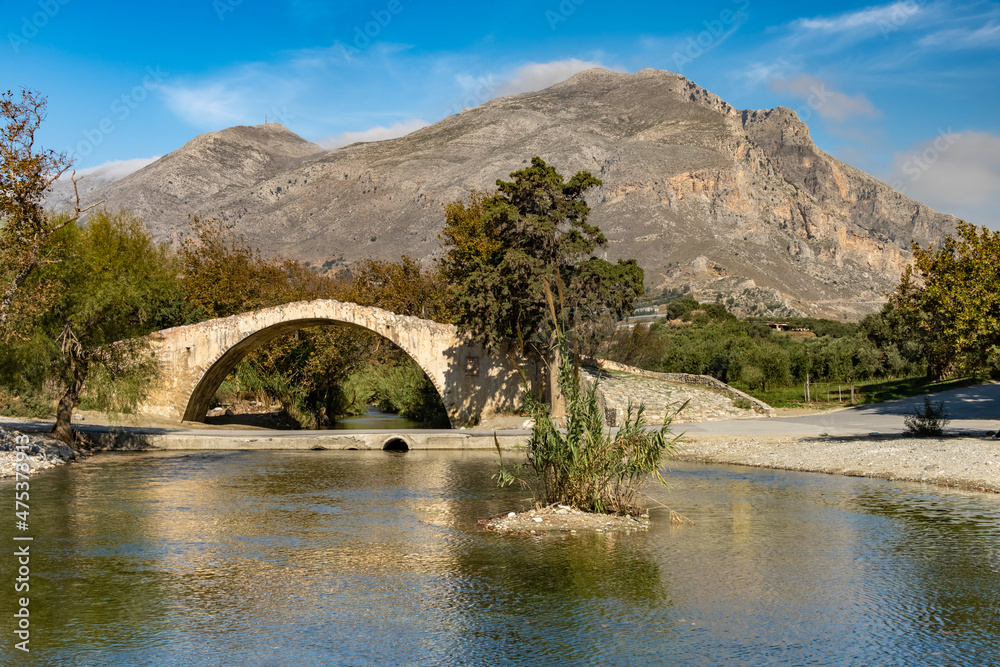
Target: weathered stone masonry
195 359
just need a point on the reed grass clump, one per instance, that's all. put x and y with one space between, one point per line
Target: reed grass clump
588 466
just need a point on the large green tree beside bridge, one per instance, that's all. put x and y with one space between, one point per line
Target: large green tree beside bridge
501 249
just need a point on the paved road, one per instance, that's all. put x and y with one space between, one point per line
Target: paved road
975 408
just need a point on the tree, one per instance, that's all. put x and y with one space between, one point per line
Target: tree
112 283
901 345
501 249
759 364
610 288
224 276
951 297
403 287
26 174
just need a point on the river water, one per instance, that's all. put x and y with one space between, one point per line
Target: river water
375 419
374 558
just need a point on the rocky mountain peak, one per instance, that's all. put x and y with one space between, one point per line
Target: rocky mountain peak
726 203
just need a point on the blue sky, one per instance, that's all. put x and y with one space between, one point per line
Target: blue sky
907 91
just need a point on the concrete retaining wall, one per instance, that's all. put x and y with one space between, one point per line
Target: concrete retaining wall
138 440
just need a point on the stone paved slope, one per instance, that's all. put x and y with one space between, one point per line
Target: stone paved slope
663 398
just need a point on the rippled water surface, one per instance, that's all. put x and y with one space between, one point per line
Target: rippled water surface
373 558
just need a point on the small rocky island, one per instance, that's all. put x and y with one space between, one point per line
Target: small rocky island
562 518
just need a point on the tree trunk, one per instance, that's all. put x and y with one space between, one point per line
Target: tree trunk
63 429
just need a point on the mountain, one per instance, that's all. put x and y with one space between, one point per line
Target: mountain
204 174
730 204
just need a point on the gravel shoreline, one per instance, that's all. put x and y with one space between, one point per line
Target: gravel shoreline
961 462
39 452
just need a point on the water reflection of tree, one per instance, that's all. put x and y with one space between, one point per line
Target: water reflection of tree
578 567
950 549
556 598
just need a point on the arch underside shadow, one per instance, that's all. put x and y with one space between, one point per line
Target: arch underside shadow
211 380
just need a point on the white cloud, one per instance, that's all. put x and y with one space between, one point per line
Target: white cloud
113 170
964 38
957 173
538 76
378 133
881 18
208 106
90 180
825 100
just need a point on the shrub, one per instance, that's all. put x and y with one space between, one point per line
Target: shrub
927 422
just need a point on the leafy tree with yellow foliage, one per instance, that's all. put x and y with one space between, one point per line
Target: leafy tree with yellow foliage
26 174
950 298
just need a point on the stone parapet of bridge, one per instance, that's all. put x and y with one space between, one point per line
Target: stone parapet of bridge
195 359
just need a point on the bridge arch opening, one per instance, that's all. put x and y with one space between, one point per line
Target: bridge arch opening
209 383
395 444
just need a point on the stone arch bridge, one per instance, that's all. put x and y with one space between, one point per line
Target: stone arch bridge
195 359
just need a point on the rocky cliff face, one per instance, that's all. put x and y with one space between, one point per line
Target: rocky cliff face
731 204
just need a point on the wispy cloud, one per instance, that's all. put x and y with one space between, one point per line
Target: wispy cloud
378 133
90 180
864 21
209 105
824 99
964 38
759 73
